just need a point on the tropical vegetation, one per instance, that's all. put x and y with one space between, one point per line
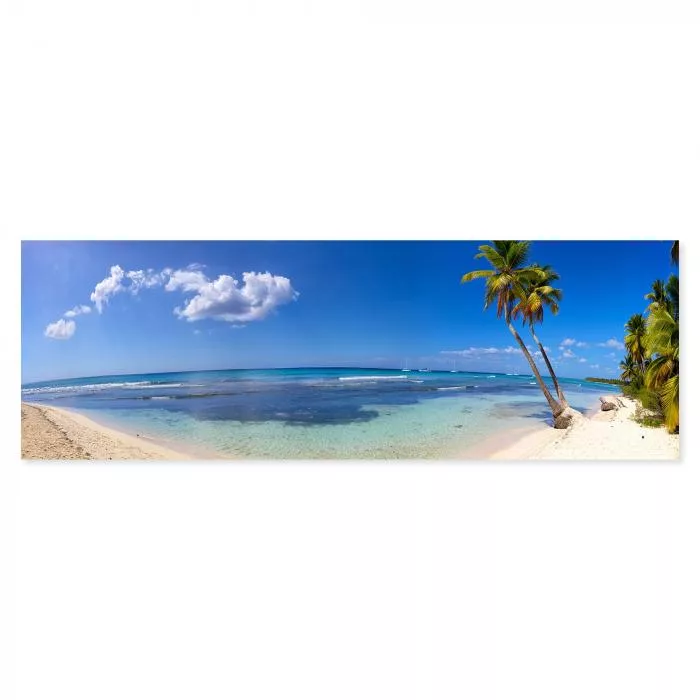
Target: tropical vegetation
651 368
522 290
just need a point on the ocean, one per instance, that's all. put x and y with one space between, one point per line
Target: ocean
330 412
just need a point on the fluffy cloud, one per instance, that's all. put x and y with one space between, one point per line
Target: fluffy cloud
77 310
612 343
108 287
61 330
223 299
141 279
188 280
595 366
226 299
583 359
568 354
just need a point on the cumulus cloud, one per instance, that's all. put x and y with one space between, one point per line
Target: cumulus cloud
566 342
612 343
108 287
141 279
224 298
595 366
568 354
188 280
61 330
77 310
583 359
227 299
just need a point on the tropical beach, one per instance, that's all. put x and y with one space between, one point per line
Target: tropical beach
53 433
491 373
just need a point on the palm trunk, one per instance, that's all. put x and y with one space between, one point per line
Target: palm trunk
557 408
555 381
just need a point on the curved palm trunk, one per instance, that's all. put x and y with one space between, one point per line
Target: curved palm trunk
557 408
555 381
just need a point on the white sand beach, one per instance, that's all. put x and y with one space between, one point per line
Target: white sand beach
56 433
607 435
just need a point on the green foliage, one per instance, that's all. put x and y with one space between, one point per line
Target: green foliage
635 330
509 285
648 398
600 380
649 421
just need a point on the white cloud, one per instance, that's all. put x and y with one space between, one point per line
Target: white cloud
77 310
108 287
612 343
226 299
568 354
583 359
61 330
145 280
572 342
474 352
187 280
595 366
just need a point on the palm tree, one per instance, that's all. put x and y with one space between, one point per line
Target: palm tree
662 374
629 368
672 295
635 330
657 296
505 285
539 294
674 253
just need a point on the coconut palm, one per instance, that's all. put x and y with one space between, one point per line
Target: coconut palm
658 296
674 253
672 296
506 282
635 330
662 374
539 294
629 368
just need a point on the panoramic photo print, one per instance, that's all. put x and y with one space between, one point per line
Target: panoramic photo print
168 350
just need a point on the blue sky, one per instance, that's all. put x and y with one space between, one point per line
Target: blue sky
142 306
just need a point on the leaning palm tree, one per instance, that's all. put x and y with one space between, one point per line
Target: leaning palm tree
662 374
506 282
629 369
658 296
539 294
635 330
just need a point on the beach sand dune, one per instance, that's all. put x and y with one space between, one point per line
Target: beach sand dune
54 433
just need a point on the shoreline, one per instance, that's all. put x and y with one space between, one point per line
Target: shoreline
51 433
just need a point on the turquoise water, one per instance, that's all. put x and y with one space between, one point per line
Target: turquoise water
315 412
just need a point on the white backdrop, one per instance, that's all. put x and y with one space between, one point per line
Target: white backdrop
348 580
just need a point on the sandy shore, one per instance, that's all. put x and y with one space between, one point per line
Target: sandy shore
607 435
55 433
